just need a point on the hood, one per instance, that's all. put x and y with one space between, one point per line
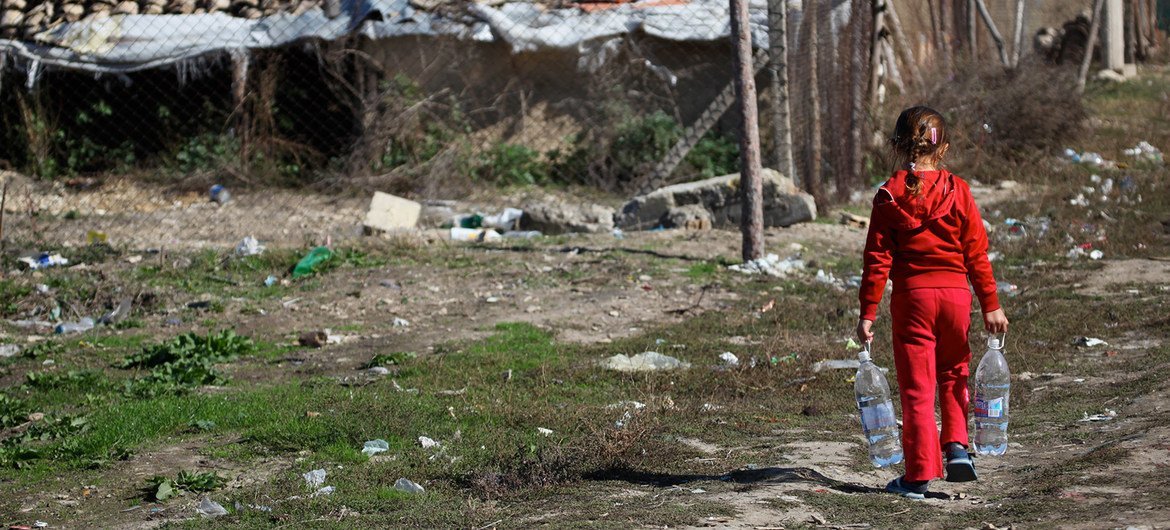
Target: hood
909 212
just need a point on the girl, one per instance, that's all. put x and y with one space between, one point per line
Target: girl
926 235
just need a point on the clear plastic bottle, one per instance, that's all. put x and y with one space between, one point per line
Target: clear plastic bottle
877 413
992 390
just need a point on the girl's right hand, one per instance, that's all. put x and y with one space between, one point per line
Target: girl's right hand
864 333
995 321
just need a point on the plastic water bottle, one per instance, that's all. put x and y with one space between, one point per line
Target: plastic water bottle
992 385
877 413
219 194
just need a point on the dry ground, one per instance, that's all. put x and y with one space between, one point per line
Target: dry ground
507 338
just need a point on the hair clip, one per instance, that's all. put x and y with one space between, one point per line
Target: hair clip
933 135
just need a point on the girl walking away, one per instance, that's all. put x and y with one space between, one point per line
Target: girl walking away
926 235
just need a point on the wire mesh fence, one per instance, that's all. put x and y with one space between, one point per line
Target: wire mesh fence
117 117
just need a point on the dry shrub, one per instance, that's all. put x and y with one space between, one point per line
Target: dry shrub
1003 117
604 450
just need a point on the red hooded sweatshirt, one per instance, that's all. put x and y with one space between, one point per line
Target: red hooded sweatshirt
933 239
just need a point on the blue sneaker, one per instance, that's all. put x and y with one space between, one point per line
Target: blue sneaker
960 468
910 490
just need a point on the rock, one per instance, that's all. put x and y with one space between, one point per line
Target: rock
153 9
73 12
18 5
181 7
554 218
126 7
1008 185
854 220
690 217
218 5
784 205
34 20
388 212
1110 75
11 19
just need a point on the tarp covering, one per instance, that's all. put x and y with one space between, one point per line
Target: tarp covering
127 43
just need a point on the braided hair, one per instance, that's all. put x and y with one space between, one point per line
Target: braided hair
919 134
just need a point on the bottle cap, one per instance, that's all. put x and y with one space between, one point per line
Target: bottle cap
863 356
994 343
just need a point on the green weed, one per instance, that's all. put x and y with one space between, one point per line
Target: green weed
186 362
163 488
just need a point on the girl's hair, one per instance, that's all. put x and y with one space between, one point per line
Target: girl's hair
920 132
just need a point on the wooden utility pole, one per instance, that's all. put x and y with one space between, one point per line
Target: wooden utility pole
781 121
750 186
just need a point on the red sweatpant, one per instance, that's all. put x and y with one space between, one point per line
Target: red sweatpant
931 351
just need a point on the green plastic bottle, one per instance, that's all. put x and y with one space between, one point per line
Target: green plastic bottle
308 264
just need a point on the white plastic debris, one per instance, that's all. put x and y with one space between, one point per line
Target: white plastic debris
1106 416
1107 187
474 234
427 443
249 247
379 370
401 322
9 350
840 364
409 486
711 407
1090 342
626 404
374 447
643 362
1145 151
771 265
505 220
210 508
44 261
544 431
315 478
729 358
1096 254
327 490
836 364
41 524
1007 288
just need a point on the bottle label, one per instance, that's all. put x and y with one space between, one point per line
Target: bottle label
989 408
877 415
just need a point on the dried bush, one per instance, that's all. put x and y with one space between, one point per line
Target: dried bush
1000 117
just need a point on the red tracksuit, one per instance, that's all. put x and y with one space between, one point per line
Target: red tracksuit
929 244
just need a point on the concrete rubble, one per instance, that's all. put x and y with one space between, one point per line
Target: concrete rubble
560 217
715 203
388 212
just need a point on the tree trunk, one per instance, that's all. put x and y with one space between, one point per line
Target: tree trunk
814 144
751 187
1087 60
972 31
857 122
994 31
1018 44
781 154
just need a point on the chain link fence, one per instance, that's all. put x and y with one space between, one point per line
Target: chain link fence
117 117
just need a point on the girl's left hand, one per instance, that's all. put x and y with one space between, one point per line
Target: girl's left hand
995 321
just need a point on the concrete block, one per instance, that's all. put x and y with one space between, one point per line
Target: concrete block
674 206
388 212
